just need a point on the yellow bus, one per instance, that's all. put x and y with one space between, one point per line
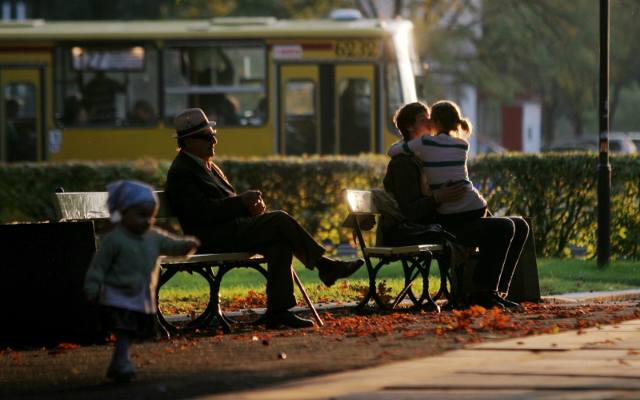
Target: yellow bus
109 90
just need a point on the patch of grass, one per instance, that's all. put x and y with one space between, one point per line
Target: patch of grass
556 276
565 276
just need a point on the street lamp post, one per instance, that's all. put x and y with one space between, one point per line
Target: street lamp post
604 168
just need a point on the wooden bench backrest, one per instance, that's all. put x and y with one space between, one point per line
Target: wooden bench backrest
360 202
93 205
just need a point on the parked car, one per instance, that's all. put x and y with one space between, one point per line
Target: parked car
624 142
619 142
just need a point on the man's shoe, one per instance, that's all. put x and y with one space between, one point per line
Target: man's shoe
330 270
487 300
286 318
121 372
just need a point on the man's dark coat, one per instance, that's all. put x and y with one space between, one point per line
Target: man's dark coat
207 207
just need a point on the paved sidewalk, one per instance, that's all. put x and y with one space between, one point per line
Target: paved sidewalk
597 363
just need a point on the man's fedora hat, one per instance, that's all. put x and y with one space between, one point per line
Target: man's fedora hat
191 121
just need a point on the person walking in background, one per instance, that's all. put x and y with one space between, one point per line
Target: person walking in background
207 206
444 159
123 275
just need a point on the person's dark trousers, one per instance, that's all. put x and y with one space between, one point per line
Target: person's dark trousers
493 236
521 232
278 237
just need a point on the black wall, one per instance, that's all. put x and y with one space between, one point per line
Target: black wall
42 268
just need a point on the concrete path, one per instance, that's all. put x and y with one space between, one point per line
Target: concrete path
597 363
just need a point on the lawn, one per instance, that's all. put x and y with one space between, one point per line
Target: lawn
186 291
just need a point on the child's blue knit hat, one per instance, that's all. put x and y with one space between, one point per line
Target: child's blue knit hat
124 194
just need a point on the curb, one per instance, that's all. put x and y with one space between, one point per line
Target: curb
590 297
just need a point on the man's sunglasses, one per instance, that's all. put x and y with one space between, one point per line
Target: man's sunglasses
203 136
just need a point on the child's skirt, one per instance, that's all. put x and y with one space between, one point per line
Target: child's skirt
136 324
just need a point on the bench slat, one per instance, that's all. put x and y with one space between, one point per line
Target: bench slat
82 205
93 205
403 250
360 201
213 257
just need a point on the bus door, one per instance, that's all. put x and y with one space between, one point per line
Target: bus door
299 111
22 113
355 105
327 109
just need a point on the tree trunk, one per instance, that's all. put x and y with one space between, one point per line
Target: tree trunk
578 126
548 123
397 8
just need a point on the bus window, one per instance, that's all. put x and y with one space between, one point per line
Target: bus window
354 103
394 92
20 125
227 82
300 118
108 86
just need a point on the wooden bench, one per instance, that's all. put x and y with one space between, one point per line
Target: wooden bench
212 267
415 259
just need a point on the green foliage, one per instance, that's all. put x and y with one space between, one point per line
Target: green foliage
27 189
558 191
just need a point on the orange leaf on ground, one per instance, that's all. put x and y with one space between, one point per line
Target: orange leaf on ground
67 346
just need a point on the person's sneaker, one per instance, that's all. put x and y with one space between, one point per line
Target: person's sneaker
487 300
286 318
329 271
121 372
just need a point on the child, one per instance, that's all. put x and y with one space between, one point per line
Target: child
123 275
444 155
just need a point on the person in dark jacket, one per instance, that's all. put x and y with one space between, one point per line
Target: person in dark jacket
209 208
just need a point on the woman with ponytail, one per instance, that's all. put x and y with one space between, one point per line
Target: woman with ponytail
444 158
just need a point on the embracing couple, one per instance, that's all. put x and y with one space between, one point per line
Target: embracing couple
428 176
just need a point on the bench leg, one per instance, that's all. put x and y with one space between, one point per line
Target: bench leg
372 285
214 304
407 284
372 293
443 292
316 316
428 302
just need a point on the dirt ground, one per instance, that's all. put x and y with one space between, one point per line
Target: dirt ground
208 362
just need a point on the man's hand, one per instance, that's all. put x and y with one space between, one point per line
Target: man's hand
192 244
449 193
252 199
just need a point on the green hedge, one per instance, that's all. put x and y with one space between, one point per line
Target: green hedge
556 190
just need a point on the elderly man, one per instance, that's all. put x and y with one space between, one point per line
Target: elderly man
208 207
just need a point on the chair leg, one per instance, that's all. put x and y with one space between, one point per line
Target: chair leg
298 282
